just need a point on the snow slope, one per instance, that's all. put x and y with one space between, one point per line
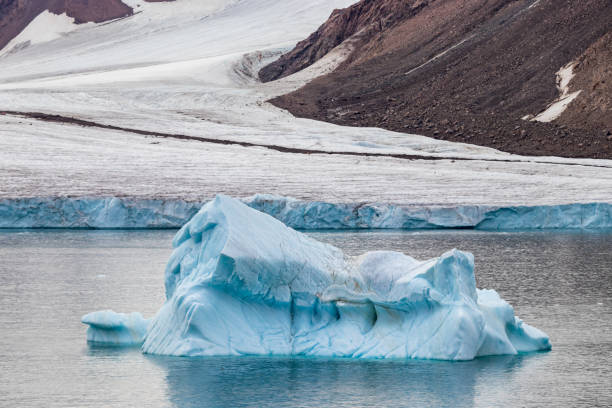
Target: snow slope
45 27
188 68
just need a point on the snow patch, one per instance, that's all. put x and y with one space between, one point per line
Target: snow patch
45 27
535 4
440 55
564 77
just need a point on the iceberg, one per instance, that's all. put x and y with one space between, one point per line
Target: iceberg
240 282
108 328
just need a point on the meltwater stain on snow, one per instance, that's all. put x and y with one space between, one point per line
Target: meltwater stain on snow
240 282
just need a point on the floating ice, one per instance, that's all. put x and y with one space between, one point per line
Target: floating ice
241 282
115 329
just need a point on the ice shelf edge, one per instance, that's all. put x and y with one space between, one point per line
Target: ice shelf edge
128 213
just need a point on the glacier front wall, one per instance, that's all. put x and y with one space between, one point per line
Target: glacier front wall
124 213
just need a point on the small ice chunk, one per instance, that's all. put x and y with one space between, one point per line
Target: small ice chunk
109 328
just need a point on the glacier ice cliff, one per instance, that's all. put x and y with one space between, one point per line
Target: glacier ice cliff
240 282
109 213
115 329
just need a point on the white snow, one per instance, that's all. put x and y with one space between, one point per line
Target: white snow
191 70
535 4
45 27
59 160
186 8
440 55
564 77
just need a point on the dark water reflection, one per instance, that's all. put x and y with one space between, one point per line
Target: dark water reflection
278 382
558 281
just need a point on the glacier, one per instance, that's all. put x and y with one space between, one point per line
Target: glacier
130 213
240 282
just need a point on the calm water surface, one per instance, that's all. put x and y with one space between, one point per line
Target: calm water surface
560 282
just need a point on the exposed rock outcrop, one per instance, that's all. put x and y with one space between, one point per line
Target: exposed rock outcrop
592 109
367 18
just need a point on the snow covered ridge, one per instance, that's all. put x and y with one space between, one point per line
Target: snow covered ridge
239 282
125 213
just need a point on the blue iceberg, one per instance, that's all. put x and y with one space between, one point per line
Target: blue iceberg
240 282
108 328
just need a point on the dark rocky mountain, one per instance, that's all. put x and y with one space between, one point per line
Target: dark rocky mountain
464 70
15 15
593 108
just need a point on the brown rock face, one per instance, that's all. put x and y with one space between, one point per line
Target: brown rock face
368 18
593 76
84 11
464 70
15 15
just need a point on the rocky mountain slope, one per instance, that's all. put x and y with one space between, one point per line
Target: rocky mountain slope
593 70
474 71
15 15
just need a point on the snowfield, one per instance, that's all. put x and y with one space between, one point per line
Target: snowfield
189 68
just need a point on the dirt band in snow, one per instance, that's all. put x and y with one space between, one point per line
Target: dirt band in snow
283 149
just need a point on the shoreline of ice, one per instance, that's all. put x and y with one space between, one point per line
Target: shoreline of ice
127 213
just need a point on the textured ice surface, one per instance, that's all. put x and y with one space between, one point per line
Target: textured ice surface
130 213
95 213
115 329
241 282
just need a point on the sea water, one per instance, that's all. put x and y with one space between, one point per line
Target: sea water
560 282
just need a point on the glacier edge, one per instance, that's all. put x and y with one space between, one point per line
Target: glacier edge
126 213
